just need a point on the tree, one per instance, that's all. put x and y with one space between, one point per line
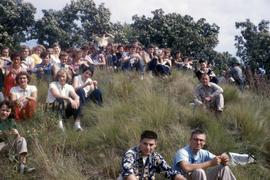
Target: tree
74 25
253 45
16 22
178 32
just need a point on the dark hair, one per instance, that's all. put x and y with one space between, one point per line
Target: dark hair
91 68
149 135
63 54
197 131
43 55
14 55
9 104
203 75
202 61
22 73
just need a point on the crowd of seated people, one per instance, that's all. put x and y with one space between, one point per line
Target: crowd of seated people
69 75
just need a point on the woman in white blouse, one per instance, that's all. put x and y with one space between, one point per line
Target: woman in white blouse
63 98
87 88
24 96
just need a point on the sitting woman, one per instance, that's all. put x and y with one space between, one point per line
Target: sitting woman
86 88
63 98
11 73
24 96
10 137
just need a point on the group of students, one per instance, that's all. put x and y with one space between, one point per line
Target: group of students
71 86
190 162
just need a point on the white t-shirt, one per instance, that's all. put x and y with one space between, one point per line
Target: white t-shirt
80 82
64 91
19 92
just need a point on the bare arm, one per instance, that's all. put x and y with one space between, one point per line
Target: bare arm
188 167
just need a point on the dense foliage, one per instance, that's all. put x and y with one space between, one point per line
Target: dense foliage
253 45
16 22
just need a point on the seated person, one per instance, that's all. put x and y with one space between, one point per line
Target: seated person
7 130
44 69
86 88
142 162
64 57
133 60
199 164
24 96
205 69
209 94
63 98
11 72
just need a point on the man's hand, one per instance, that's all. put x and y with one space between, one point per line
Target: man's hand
216 161
224 159
208 98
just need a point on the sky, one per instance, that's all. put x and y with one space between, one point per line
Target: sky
224 13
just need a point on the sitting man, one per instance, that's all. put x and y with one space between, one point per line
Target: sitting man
199 164
10 137
209 94
141 162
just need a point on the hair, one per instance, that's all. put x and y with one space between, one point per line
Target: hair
9 104
203 75
14 55
91 68
24 47
202 61
43 55
150 46
22 73
56 44
62 72
63 54
149 135
196 131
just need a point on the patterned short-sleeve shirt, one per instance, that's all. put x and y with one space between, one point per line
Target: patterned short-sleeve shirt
144 168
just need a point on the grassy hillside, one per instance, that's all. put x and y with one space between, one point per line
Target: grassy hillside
132 105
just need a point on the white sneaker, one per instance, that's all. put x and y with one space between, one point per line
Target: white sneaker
77 126
61 125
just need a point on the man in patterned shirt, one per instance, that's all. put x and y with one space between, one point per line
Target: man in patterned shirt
142 162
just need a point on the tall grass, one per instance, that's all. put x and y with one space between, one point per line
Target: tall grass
132 105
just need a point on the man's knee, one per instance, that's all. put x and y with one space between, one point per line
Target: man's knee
198 174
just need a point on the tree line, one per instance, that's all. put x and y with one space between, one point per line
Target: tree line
80 20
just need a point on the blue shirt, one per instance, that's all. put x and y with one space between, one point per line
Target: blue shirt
185 154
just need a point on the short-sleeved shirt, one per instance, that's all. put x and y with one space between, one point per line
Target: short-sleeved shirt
62 90
6 125
134 163
185 154
20 92
86 89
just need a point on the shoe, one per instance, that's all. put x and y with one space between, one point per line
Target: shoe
77 126
23 168
60 125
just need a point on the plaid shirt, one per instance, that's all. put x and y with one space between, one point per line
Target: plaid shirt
133 163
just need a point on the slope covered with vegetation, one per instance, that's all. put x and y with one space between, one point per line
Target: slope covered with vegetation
132 105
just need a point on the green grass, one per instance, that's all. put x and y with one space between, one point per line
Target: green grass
132 105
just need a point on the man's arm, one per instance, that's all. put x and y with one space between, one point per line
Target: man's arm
188 167
164 167
128 165
217 90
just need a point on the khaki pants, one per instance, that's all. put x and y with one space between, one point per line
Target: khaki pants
19 145
217 172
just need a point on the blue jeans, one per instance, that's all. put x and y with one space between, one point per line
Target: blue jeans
95 96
